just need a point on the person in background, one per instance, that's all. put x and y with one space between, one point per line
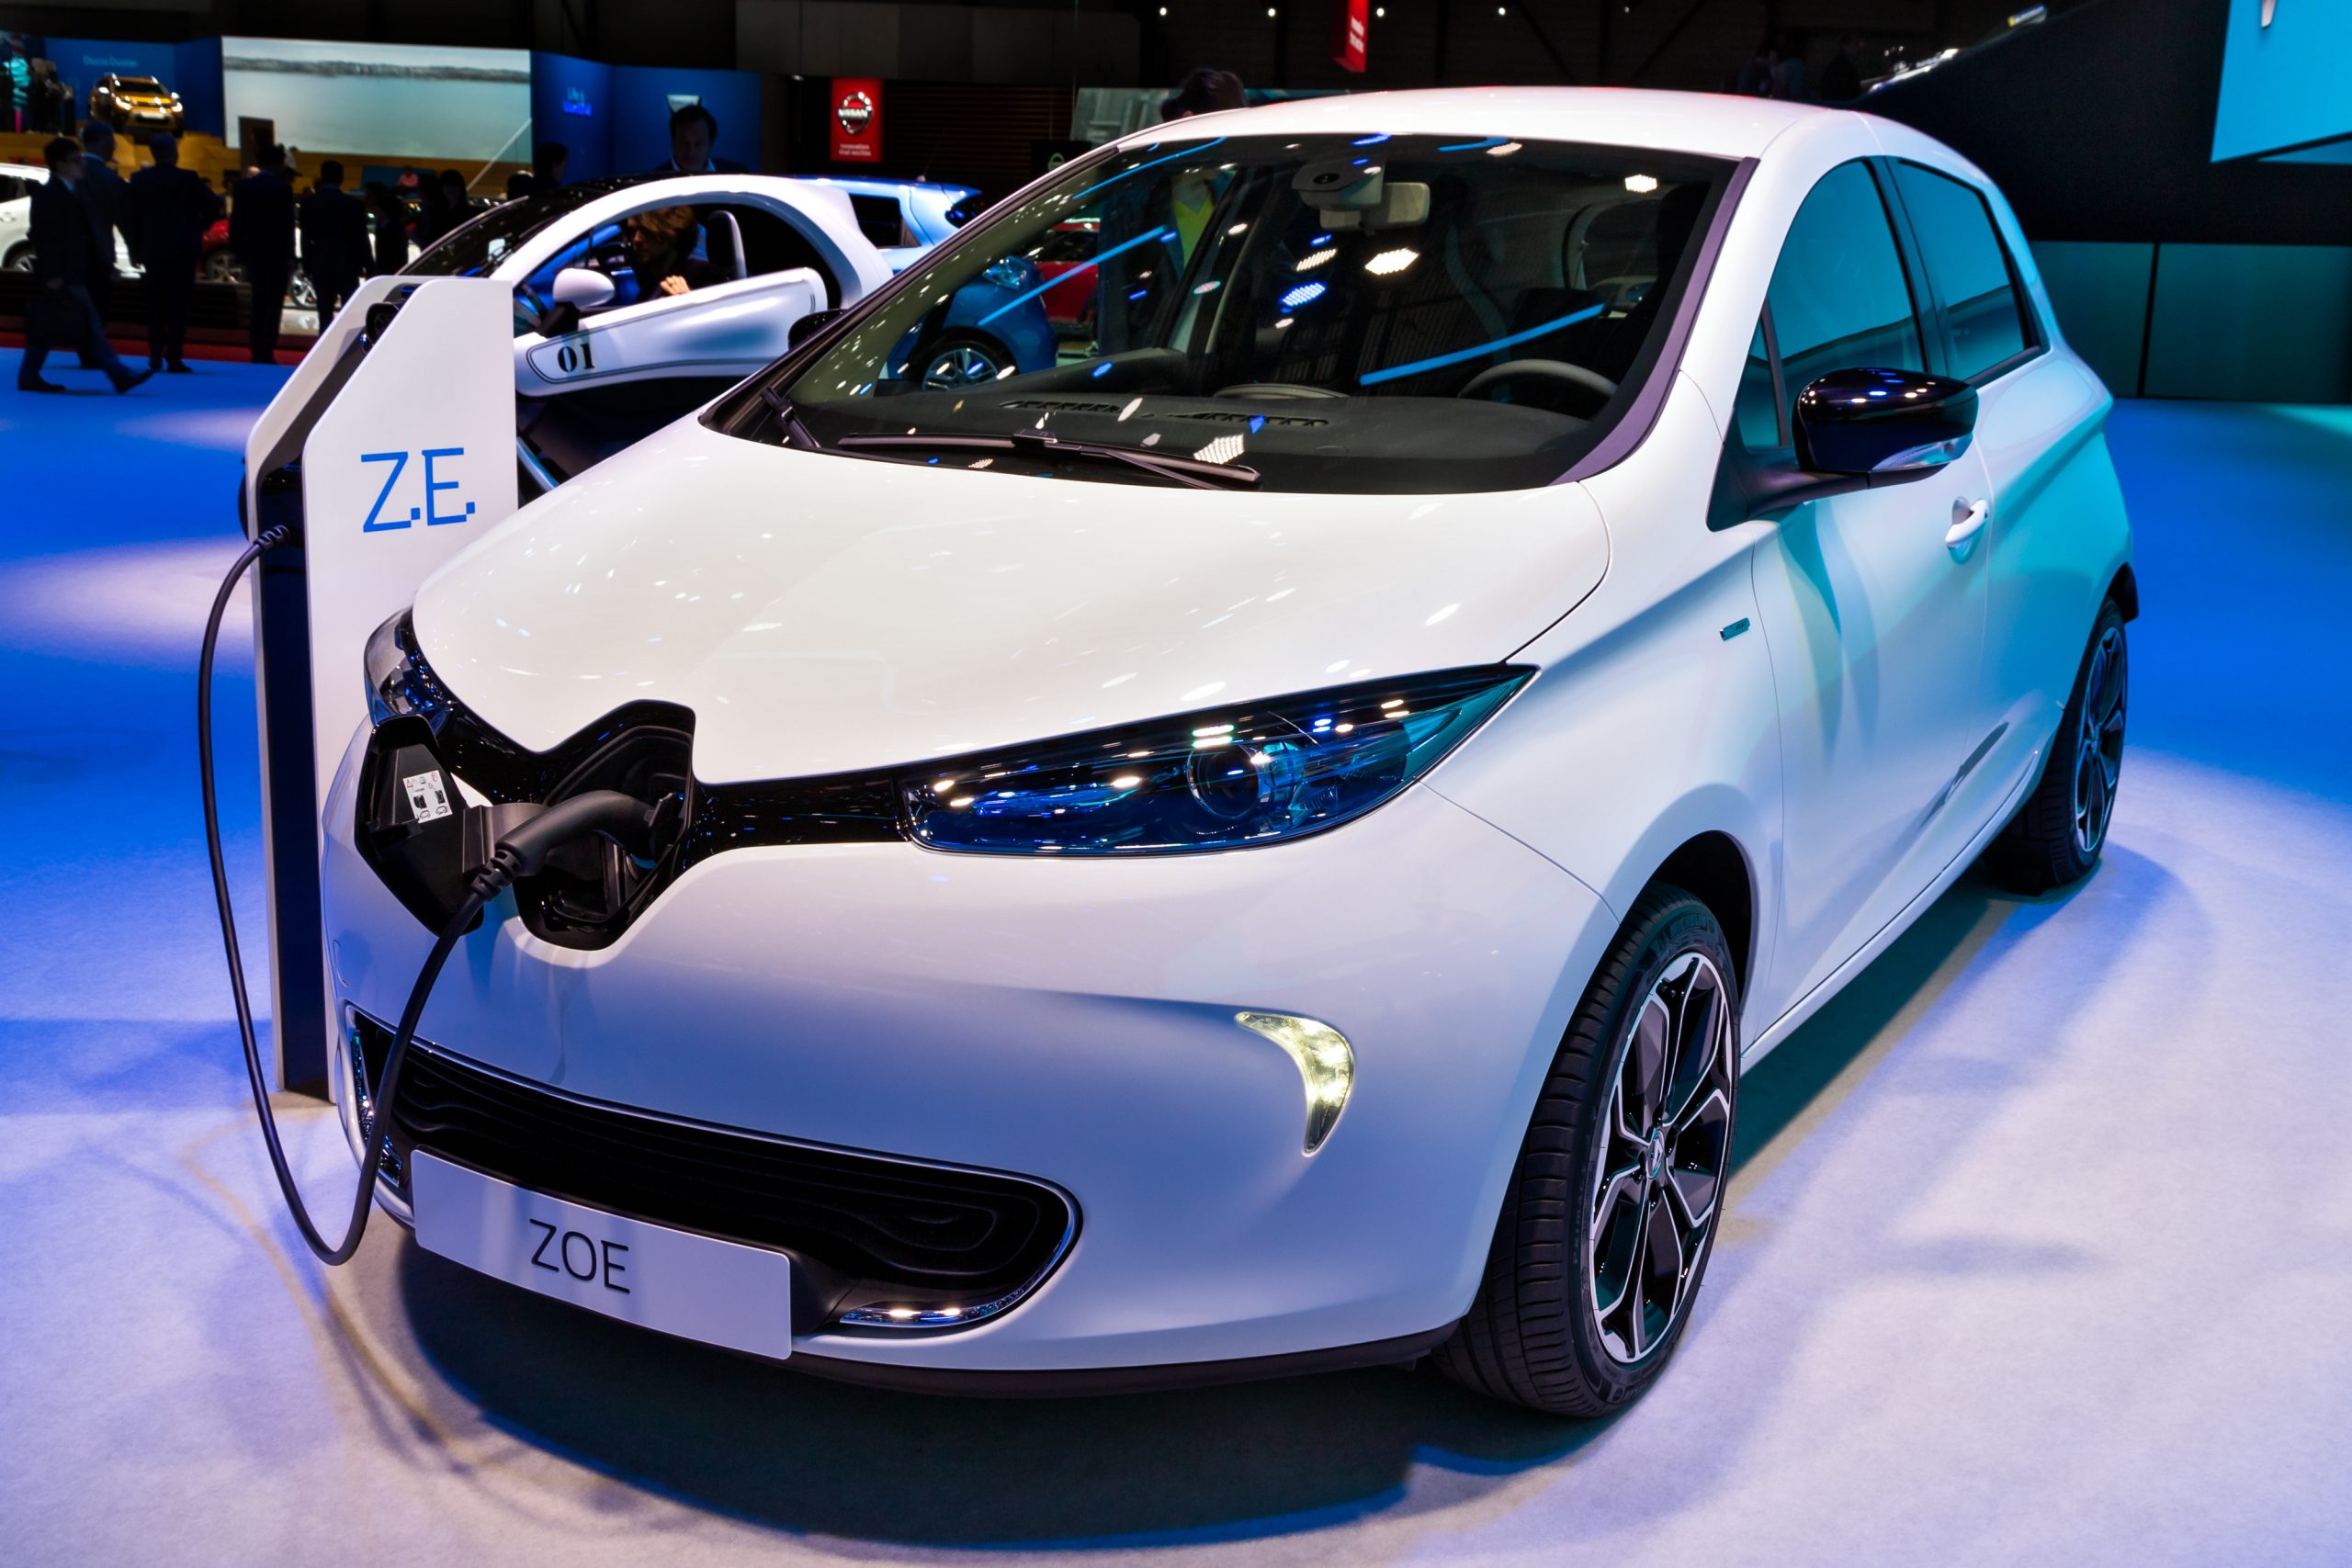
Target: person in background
51 109
693 130
169 207
15 89
104 193
61 314
334 239
548 161
1788 69
432 220
391 229
1841 79
260 230
1206 91
521 186
454 197
661 251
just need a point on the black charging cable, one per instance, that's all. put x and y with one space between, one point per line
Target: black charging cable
521 851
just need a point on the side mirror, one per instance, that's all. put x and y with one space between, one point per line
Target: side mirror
582 289
557 319
808 326
1882 422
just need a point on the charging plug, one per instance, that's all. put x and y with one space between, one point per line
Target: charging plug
518 837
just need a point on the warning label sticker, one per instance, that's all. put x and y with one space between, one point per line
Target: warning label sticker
426 799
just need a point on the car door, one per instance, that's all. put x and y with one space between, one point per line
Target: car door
2035 428
1874 623
625 371
725 329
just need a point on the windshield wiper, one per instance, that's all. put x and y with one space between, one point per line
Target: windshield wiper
796 429
1191 471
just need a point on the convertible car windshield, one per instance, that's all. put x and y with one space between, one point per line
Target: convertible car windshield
479 244
1325 313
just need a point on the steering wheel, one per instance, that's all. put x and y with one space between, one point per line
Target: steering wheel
1277 391
1575 376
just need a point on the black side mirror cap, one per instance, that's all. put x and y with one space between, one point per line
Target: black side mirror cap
808 326
1883 422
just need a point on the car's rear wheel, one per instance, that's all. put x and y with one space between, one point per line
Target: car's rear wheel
964 359
19 259
1611 1213
2058 833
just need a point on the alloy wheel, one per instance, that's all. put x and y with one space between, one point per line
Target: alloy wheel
1658 1171
965 365
2098 742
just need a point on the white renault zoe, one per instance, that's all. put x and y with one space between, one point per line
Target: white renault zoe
1267 843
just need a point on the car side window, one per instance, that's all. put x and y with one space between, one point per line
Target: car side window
1755 412
1839 299
1969 266
879 219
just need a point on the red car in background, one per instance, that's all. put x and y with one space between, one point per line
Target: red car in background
1067 256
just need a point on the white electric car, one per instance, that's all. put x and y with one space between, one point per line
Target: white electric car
602 356
17 183
1265 844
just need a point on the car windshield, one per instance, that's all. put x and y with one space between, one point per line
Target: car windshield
1332 313
478 246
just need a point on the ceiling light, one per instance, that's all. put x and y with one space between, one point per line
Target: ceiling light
1395 261
1641 184
1314 259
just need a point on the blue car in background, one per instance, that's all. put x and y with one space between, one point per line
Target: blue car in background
994 325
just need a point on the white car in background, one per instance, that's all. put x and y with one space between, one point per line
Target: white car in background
18 181
1266 844
601 358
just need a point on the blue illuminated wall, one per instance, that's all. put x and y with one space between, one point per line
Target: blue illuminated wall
2285 85
614 119
572 103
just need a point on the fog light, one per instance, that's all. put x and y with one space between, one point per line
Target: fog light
1324 1061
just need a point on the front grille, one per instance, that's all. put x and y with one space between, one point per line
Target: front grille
873 1238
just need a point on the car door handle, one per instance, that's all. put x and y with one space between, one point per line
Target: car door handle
1960 537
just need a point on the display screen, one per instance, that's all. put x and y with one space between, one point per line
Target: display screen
390 102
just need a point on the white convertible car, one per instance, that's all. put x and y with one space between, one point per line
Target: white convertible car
1265 843
603 355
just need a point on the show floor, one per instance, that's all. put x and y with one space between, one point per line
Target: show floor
2040 1248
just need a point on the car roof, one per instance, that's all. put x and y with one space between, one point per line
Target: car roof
1715 124
869 185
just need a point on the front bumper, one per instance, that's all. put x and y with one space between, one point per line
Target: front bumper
1073 1021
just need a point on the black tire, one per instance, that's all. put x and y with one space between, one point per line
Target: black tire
964 359
2057 834
1535 1333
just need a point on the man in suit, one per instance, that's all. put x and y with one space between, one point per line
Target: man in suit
61 315
694 129
334 239
169 208
260 230
102 193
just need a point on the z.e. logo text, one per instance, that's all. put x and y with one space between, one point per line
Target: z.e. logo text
386 514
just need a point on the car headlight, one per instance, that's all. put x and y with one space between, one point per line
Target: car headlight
1213 779
397 680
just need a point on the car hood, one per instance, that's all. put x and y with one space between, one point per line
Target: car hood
823 614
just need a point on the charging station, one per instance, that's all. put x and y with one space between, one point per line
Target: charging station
389 449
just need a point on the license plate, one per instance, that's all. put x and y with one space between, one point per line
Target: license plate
698 1287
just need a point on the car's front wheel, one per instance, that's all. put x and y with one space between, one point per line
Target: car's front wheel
2058 833
1612 1209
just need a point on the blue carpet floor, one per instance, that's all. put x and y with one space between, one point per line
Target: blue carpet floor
2040 1248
